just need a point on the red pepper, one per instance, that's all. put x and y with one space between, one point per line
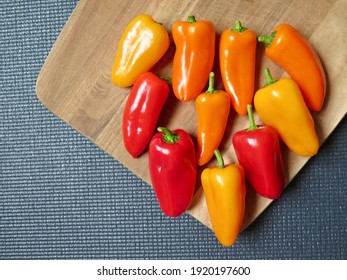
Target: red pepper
258 151
141 112
173 169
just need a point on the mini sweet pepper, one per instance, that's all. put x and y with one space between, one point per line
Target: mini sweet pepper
141 112
258 150
237 50
142 44
280 104
212 108
194 56
225 192
293 52
173 169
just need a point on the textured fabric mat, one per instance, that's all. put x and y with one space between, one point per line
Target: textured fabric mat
61 197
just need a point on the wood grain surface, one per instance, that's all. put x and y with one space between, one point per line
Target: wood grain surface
75 81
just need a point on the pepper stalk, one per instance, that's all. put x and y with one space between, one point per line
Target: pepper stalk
267 39
252 125
238 27
220 161
211 88
268 77
169 136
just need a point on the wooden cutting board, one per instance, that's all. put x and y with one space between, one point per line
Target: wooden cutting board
75 81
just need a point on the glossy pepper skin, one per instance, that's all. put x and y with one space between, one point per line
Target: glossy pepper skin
225 192
237 50
142 44
194 56
280 104
141 112
258 151
212 108
173 170
290 49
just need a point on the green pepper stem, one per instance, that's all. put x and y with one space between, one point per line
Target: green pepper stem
252 125
220 161
211 84
267 39
169 136
238 27
268 77
166 79
191 19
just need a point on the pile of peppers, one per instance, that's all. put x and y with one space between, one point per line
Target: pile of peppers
284 107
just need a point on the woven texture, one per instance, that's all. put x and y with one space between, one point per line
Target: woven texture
61 197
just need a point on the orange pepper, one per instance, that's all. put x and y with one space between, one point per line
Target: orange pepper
280 104
212 108
289 49
142 44
225 193
237 49
193 59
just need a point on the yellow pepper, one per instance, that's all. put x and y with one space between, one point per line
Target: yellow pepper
281 105
142 44
225 192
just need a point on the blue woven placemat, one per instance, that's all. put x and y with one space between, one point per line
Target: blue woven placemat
61 197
